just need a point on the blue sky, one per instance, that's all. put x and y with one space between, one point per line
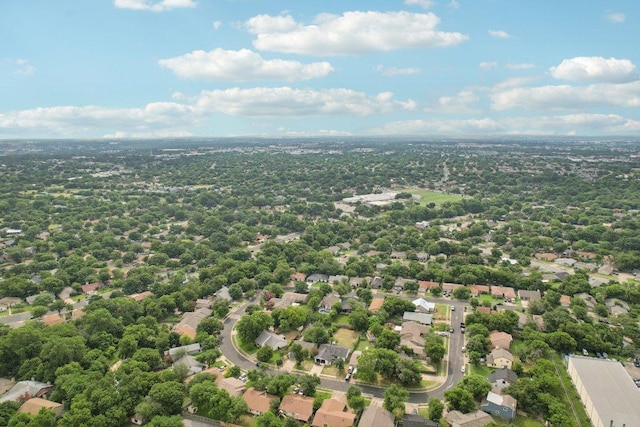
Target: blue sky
163 68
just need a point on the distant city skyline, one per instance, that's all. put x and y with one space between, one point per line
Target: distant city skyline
170 68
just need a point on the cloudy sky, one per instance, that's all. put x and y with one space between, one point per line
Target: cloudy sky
141 68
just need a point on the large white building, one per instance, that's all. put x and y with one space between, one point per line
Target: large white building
609 395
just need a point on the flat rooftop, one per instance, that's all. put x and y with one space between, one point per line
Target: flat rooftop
612 391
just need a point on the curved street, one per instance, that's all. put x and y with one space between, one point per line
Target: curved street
454 366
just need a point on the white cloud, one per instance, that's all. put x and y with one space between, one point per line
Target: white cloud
153 6
605 124
520 66
455 4
499 34
595 68
392 72
616 17
290 102
460 103
555 97
425 4
241 65
72 120
515 82
21 66
217 25
351 33
488 65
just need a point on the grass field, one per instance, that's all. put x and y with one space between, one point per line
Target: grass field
427 196
346 337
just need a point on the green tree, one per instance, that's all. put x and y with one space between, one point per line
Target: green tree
436 407
166 421
308 384
477 385
388 339
264 353
459 399
250 326
169 395
316 334
394 400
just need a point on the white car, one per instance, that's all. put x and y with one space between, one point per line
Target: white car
463 369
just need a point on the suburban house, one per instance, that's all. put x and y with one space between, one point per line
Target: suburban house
425 319
52 319
526 295
334 413
296 406
505 292
500 340
329 301
450 287
338 278
501 378
258 402
223 293
137 297
9 302
177 352
479 289
190 321
271 339
472 419
297 277
26 388
327 353
546 256
501 405
398 255
415 420
190 362
376 283
316 278
565 300
376 304
231 385
411 336
91 288
288 299
375 416
424 306
500 358
427 285
34 405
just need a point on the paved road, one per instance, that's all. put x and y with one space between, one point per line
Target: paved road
454 374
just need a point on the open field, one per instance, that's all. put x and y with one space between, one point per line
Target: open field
346 337
427 196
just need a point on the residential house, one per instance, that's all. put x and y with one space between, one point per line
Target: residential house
329 301
526 295
500 405
333 250
34 405
471 419
424 306
91 288
203 303
32 298
223 294
500 358
65 295
337 279
10 301
546 256
334 413
424 318
450 287
501 378
565 261
188 325
376 304
288 299
617 307
271 339
398 255
258 402
231 385
327 353
23 389
565 300
415 420
427 285
296 406
177 352
190 362
317 277
375 416
505 292
297 277
500 340
411 336
376 282
422 256
479 290
140 296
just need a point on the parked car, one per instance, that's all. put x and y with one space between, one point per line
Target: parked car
585 352
348 377
453 308
463 369
464 349
451 330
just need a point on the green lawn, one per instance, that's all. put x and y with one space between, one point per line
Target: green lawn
346 337
519 421
480 370
427 196
572 394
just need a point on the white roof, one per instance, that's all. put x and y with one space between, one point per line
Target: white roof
611 390
421 302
